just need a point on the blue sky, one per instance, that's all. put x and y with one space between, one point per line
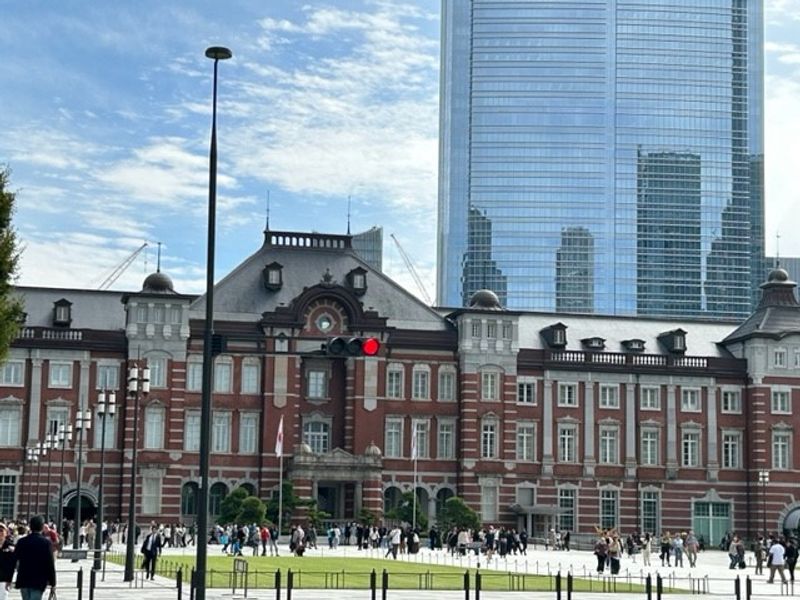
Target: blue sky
105 118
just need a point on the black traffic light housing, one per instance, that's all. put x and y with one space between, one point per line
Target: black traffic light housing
352 346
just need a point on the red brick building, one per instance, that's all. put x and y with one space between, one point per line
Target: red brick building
534 419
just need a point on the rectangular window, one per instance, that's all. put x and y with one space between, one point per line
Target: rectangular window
690 400
12 373
107 377
780 358
649 447
781 402
141 314
566 504
609 396
567 394
447 386
60 375
151 495
489 386
567 444
10 426
731 450
526 440
223 371
797 359
154 428
526 390
394 383
194 376
248 433
393 438
446 443
158 372
158 314
507 331
175 315
317 434
110 425
317 382
651 519
488 503
476 329
56 417
526 496
609 446
191 431
221 432
691 449
609 508
732 401
251 378
781 450
491 330
650 398
421 445
8 495
421 385
489 439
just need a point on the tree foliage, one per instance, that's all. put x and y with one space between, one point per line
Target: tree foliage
456 513
405 511
11 309
290 502
231 508
253 510
316 515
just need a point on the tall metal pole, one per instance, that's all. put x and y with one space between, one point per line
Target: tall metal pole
51 444
64 436
31 458
40 452
82 425
106 407
215 53
136 384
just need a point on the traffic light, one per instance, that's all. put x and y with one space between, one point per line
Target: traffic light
352 346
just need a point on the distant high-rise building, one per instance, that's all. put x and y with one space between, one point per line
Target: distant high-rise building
575 271
479 270
369 246
553 116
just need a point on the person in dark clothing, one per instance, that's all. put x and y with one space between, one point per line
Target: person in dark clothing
6 561
151 548
791 557
33 559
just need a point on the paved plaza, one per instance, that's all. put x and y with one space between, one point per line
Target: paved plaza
711 575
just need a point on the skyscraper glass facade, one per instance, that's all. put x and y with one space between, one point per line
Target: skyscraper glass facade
602 155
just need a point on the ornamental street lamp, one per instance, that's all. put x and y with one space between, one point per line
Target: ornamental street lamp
763 479
41 452
51 445
106 407
215 53
64 437
83 422
138 385
30 457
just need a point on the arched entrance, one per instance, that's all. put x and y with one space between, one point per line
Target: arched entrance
791 522
88 505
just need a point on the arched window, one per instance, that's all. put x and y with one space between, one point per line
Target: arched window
249 488
216 494
442 496
189 493
391 498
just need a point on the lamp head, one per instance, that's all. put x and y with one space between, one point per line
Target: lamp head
218 53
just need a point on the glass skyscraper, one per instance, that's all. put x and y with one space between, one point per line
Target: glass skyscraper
602 156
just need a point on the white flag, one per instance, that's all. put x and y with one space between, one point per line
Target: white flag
279 440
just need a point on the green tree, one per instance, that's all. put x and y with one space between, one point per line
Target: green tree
456 513
231 508
11 309
367 517
253 510
405 511
316 515
290 502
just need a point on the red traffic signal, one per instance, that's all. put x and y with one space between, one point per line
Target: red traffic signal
354 346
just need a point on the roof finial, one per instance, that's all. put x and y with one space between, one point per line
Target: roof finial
158 263
348 214
777 249
266 228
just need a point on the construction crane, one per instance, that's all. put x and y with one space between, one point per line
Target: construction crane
120 268
413 271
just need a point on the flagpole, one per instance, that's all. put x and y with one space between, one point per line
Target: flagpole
280 498
414 492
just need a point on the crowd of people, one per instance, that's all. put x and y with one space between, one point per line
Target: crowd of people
28 552
778 552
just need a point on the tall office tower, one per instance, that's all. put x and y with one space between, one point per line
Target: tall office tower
574 270
603 116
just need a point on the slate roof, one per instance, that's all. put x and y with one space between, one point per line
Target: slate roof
778 312
91 309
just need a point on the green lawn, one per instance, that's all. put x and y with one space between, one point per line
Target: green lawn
350 573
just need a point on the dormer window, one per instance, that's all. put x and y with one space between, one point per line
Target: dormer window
634 345
674 341
357 279
593 343
281 343
273 277
555 336
62 313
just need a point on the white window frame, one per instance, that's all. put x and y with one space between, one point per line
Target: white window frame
526 390
223 375
446 439
691 399
780 401
691 448
191 431
490 386
731 402
476 329
111 430
421 382
568 443
446 390
568 504
608 442
248 432
653 498
316 384
10 425
151 494
9 494
781 445
395 379
650 397
607 497
609 395
490 493
780 358
221 432
650 447
567 394
731 449
526 441
158 366
393 437
317 433
490 432
251 377
421 430
60 374
107 376
12 374
153 433
57 415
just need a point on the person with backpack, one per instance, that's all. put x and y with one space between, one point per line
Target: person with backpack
601 552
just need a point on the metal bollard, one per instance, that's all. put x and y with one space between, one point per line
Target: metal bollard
648 586
737 588
477 585
80 583
558 585
179 582
373 581
192 583
659 586
384 584
92 583
748 588
569 585
289 584
278 584
466 585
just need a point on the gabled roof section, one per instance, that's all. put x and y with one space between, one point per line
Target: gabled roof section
778 312
309 260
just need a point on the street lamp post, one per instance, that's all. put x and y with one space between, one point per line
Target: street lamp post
83 422
51 445
763 479
41 452
106 407
31 457
64 437
215 53
138 384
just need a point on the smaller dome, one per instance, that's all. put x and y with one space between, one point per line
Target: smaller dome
778 274
303 448
373 451
157 282
485 299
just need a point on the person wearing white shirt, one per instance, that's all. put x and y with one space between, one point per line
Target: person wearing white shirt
777 561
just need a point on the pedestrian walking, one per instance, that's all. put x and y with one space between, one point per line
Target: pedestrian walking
34 562
151 548
777 561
